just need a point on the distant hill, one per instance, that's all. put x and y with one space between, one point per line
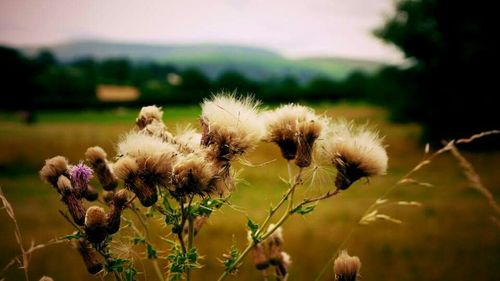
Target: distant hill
212 59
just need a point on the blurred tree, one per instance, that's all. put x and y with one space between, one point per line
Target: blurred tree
115 71
18 83
193 88
232 80
454 53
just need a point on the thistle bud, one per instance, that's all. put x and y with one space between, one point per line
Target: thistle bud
74 205
89 256
90 193
97 158
346 268
95 224
116 207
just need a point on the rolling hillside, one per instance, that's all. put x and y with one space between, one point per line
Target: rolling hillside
256 63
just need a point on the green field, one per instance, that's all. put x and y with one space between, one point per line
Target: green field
451 237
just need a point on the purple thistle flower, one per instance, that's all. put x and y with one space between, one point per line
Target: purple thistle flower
80 176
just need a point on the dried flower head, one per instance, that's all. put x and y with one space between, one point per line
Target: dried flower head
89 256
275 244
95 224
260 258
231 125
346 268
294 128
69 198
193 174
188 141
308 131
282 268
356 153
80 176
53 168
145 164
97 159
159 130
46 278
147 115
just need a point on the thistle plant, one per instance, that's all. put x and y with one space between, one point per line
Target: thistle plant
183 178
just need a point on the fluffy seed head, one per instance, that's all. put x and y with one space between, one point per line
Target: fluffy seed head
346 268
277 236
355 152
232 125
147 115
188 141
260 257
193 174
153 156
125 168
294 128
53 168
282 267
309 130
159 130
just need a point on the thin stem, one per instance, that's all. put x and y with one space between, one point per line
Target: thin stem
370 208
190 243
293 185
183 221
238 260
289 193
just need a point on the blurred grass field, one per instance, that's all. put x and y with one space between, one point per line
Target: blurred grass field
450 237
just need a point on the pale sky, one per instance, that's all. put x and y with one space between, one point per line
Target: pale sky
295 28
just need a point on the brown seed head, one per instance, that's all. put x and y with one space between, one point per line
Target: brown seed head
147 115
346 268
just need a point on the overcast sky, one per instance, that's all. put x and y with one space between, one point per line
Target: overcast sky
294 28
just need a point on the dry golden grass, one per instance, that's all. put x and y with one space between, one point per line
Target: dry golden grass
450 237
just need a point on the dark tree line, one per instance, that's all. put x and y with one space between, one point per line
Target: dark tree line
43 83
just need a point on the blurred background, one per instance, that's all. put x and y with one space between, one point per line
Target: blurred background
76 73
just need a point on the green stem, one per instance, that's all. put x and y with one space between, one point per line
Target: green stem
288 194
190 243
238 260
